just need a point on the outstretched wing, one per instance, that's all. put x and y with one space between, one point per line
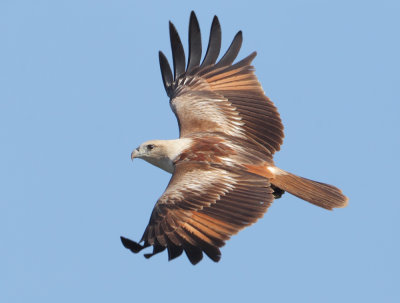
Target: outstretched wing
201 208
218 96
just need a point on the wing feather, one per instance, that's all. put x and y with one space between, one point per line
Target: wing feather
174 251
214 44
178 54
166 73
239 200
194 43
232 51
190 246
203 242
219 97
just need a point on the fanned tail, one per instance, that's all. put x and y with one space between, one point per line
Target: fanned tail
317 193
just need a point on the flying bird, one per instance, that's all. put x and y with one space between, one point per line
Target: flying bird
223 174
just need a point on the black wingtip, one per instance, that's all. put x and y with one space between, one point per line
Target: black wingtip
166 72
178 53
214 44
194 43
156 249
232 51
213 253
194 255
244 62
174 251
131 245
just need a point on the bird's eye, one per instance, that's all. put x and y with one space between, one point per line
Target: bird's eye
150 147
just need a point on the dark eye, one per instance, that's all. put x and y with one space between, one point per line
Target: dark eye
150 147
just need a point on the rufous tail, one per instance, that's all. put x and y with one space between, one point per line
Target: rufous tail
317 193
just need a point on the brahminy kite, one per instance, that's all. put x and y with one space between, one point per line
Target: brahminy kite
223 175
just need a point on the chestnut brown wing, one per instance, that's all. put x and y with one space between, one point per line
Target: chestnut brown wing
202 207
219 96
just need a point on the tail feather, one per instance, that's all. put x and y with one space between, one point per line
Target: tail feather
320 194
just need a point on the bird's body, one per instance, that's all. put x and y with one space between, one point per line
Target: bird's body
208 148
224 177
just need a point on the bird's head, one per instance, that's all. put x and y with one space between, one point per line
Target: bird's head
149 150
161 153
156 152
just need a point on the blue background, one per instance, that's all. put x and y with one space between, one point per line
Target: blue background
80 88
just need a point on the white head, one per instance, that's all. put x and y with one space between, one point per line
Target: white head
161 153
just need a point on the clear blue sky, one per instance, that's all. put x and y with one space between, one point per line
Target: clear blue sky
80 87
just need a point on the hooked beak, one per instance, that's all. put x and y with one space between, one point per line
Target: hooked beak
135 153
